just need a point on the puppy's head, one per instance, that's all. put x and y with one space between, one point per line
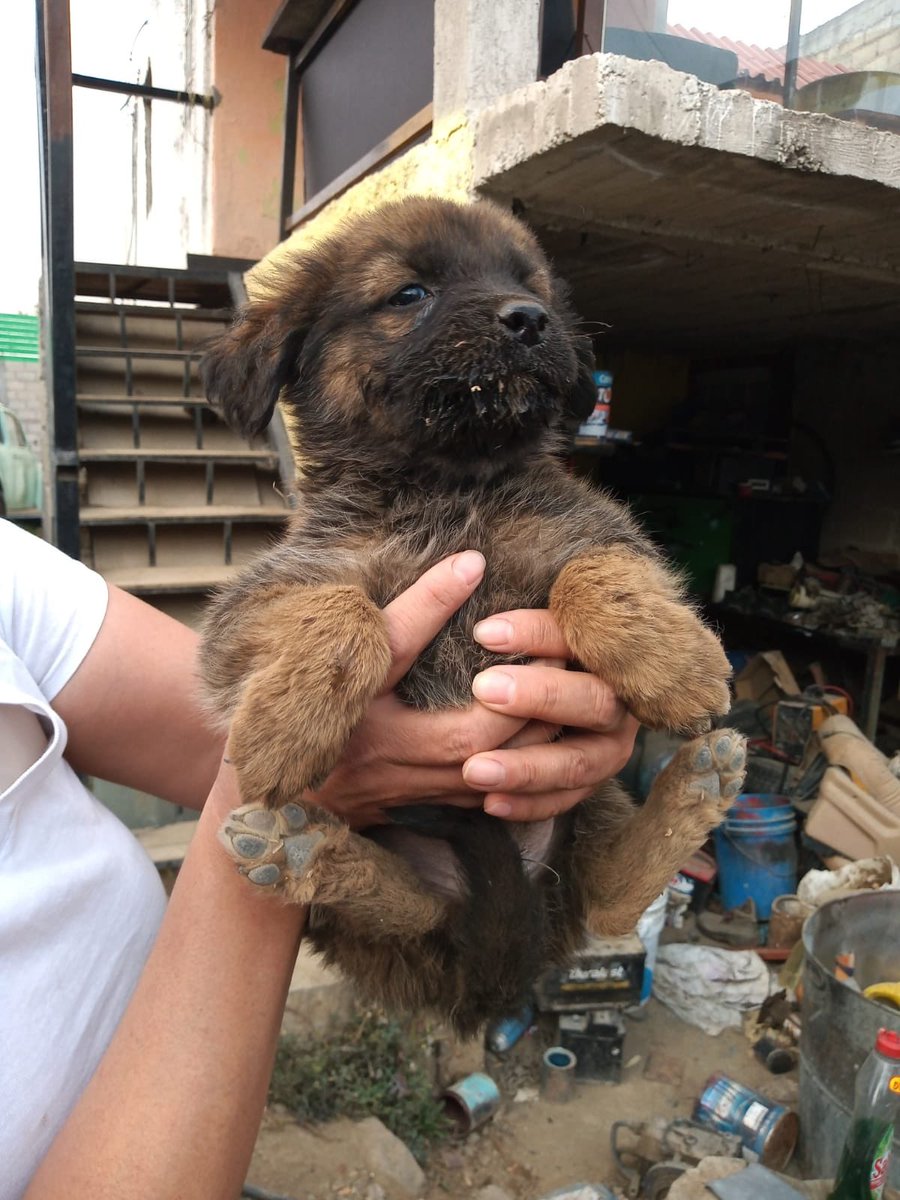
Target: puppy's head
424 331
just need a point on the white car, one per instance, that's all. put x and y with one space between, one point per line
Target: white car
20 471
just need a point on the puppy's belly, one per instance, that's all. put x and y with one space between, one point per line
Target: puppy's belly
436 865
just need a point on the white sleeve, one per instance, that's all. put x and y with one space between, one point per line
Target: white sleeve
51 607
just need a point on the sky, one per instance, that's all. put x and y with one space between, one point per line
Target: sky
760 22
20 226
105 30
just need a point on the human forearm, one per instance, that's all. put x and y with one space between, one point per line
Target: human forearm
133 709
174 1106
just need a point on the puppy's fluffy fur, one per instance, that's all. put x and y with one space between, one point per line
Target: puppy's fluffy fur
427 362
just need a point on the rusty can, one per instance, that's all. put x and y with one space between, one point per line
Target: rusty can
472 1101
768 1129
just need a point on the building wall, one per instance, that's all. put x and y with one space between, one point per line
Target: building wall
22 390
866 38
247 131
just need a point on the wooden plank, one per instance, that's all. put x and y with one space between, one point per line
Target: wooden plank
119 399
195 514
125 352
416 126
145 580
138 454
164 312
167 844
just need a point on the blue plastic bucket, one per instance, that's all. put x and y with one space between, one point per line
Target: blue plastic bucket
756 852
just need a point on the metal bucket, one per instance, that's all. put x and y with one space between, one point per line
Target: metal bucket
839 1024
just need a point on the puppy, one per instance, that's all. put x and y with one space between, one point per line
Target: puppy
427 362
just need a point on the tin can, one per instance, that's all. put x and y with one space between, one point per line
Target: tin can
502 1035
472 1101
768 1129
597 423
558 1075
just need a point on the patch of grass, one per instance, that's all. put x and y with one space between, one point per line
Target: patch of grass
370 1067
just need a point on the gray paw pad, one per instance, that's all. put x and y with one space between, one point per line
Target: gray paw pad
723 745
703 759
709 784
260 819
248 846
264 876
293 816
299 849
732 787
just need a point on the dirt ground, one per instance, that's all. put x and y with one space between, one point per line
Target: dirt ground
531 1147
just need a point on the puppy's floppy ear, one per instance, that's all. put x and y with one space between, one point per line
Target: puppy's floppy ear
244 370
583 396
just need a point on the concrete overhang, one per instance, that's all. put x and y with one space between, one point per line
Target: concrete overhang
686 215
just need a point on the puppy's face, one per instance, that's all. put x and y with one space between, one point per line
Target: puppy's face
424 332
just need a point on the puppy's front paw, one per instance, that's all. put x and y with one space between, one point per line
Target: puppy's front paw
624 620
324 656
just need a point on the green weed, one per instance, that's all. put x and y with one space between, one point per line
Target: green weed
370 1067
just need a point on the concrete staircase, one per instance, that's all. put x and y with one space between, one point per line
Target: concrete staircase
172 501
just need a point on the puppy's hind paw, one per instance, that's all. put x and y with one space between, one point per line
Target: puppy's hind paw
703 779
274 849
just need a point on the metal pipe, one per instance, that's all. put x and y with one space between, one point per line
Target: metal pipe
147 91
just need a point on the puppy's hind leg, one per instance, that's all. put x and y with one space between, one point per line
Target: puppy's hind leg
306 856
626 866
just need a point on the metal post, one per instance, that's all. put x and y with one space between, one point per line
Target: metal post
792 53
289 163
54 72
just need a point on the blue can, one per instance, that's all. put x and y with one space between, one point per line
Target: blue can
471 1101
768 1129
500 1036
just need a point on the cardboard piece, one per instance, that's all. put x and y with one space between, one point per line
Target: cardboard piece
766 678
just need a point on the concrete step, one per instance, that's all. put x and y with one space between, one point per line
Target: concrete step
88 400
196 514
142 581
109 454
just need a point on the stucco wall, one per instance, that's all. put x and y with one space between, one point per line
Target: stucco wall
22 390
247 131
865 38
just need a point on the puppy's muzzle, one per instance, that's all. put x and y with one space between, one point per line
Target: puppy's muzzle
524 320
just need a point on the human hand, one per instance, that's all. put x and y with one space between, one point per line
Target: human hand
398 756
530 778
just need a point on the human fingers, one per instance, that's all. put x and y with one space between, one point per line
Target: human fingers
535 808
417 614
549 694
577 762
531 631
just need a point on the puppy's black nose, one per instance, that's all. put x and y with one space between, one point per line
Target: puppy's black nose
525 320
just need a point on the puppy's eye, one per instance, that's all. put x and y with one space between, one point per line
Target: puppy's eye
411 294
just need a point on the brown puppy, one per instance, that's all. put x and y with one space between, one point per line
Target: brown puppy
427 361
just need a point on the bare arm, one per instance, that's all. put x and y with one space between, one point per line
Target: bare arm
133 708
174 1107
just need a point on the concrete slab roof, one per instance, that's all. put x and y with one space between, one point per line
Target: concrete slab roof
685 214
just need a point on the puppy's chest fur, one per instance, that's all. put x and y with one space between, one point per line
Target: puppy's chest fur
527 527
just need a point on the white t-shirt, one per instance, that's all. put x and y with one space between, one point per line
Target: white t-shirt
80 901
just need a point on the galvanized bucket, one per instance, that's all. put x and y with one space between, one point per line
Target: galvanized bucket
840 1024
